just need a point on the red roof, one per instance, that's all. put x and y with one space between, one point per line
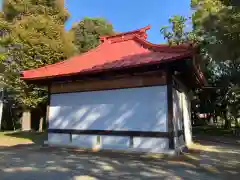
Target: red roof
123 50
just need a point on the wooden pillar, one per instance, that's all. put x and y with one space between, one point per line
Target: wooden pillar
48 107
170 108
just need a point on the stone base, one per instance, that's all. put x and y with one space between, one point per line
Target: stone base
99 149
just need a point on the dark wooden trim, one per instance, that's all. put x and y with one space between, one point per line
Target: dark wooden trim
110 89
114 133
176 85
48 105
106 74
170 108
179 133
135 81
70 137
179 85
111 133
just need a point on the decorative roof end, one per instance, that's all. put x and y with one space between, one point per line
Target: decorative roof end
141 33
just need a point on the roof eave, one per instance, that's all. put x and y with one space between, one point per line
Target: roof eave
89 72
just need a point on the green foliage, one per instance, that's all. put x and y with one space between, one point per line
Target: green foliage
2 57
218 23
53 8
88 31
177 32
34 36
216 30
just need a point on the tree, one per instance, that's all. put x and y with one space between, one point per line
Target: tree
88 31
216 30
176 33
218 23
34 36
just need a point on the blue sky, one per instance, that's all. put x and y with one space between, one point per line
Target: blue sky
126 15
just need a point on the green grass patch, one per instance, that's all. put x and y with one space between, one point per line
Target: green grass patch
212 131
9 138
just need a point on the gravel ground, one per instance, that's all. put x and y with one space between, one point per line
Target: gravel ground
29 162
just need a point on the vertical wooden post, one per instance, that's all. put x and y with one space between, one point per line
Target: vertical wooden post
170 108
48 107
131 142
70 137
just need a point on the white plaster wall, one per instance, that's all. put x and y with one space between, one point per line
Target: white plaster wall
187 118
115 142
178 117
154 145
136 109
58 138
182 111
88 141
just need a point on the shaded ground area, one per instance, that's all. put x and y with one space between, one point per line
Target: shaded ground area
11 138
213 131
216 135
205 160
34 162
51 164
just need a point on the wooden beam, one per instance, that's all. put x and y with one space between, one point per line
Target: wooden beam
48 106
114 133
108 84
99 75
170 107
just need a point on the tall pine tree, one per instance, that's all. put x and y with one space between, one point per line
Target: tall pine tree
33 34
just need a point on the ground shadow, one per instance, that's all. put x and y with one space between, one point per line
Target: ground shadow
35 137
37 162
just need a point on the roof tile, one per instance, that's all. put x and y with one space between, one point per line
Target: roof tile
119 51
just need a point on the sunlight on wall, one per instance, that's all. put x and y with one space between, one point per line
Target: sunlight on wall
138 109
187 119
133 109
177 117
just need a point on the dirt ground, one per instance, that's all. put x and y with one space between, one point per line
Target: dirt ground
22 158
32 162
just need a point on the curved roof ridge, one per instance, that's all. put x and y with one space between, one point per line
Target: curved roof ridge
164 47
126 35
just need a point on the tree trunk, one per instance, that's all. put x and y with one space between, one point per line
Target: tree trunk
26 120
236 122
41 124
227 124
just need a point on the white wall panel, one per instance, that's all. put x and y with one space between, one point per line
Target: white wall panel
134 109
178 117
88 141
139 109
115 142
58 138
182 114
154 145
187 119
